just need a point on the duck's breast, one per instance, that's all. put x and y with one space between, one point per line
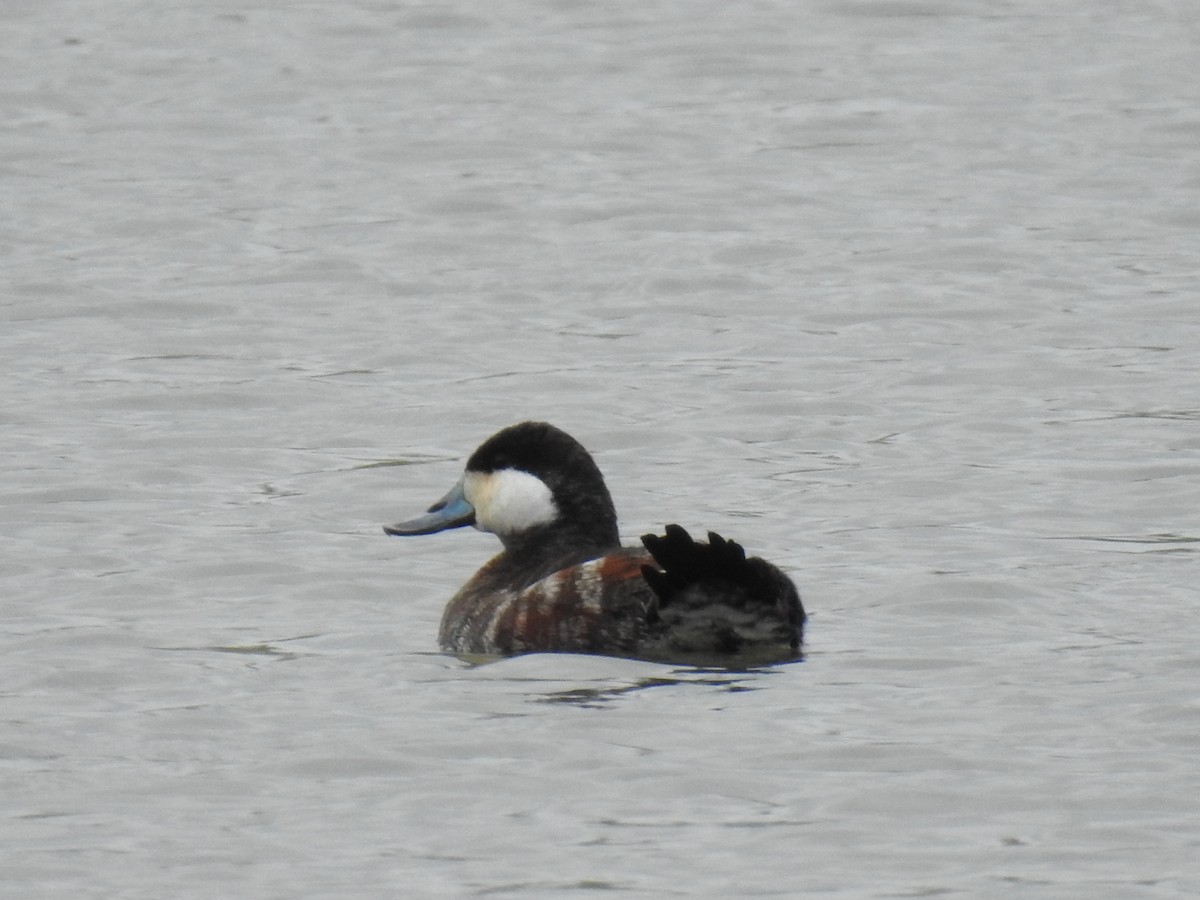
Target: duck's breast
597 606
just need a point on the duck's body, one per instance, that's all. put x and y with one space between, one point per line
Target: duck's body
565 584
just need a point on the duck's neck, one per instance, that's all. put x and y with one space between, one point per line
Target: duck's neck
538 552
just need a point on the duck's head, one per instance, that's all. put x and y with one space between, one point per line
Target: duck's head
523 482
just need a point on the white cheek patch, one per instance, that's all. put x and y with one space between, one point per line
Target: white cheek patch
509 501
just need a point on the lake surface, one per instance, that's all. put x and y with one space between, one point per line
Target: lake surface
901 294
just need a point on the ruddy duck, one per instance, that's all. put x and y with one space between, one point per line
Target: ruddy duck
564 583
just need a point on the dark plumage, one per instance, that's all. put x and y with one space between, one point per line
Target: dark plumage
563 583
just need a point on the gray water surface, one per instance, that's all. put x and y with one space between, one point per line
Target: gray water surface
901 295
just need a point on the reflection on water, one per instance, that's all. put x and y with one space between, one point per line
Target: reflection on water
599 697
256 650
267 650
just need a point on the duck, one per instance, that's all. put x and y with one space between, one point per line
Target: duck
563 583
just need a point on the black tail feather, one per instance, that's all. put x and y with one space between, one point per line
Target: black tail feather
684 562
711 595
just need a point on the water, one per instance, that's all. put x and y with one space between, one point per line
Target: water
900 294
